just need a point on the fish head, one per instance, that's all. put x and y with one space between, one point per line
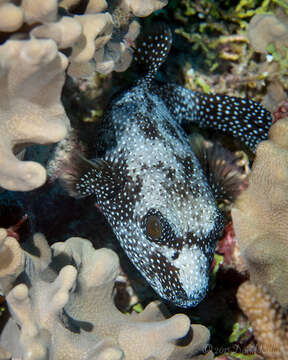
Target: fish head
169 237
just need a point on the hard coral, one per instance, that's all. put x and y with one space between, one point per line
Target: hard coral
11 16
32 69
265 29
31 80
267 318
11 260
139 8
107 35
67 312
260 214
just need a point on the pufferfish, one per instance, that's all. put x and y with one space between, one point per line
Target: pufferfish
158 197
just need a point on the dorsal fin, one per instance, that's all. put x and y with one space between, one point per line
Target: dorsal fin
152 49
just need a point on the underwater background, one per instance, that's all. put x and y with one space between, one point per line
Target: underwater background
62 64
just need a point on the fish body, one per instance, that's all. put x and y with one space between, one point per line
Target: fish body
149 183
163 182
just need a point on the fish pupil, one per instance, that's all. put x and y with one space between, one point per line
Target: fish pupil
154 227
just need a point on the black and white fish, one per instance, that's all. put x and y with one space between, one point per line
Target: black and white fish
149 183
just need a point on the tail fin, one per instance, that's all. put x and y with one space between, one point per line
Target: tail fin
152 49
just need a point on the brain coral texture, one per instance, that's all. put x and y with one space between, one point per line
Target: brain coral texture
32 69
64 309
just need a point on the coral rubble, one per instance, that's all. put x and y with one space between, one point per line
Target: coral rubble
244 46
32 69
267 34
267 318
64 308
260 214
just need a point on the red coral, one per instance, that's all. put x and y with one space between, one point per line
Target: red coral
228 247
281 111
14 229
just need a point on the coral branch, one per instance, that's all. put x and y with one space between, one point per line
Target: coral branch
70 314
267 318
11 260
32 69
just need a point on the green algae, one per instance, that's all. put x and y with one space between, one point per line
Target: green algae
208 26
282 59
238 332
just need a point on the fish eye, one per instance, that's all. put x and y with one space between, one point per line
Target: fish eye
157 229
153 227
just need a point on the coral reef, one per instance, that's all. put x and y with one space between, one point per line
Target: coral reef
267 34
272 30
228 247
240 58
260 214
11 260
216 28
267 318
32 69
31 80
64 308
237 48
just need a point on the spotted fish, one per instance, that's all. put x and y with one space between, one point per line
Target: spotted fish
149 183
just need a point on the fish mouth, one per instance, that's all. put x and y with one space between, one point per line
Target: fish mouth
183 300
187 302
